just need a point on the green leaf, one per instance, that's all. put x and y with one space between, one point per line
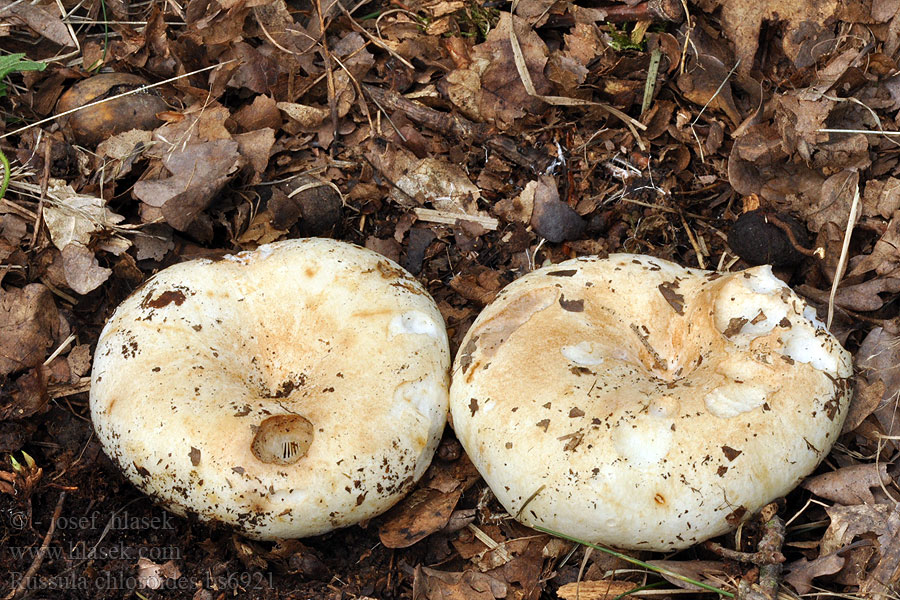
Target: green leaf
16 63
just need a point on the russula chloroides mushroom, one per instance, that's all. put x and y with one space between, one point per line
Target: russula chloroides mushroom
286 391
633 402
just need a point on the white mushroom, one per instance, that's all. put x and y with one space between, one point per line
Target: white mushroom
633 402
286 391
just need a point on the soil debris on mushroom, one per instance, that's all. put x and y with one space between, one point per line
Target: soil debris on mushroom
670 401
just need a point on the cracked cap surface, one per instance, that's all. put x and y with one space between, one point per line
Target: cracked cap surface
633 402
285 391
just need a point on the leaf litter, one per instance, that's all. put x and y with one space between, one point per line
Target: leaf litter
471 142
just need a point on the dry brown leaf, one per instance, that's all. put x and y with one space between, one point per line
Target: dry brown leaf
758 165
420 239
384 246
420 514
38 19
552 218
518 209
878 585
262 113
799 119
82 270
832 205
849 485
72 217
866 398
430 584
881 198
26 397
566 72
310 118
79 361
865 296
885 256
583 43
153 576
801 113
199 171
430 180
800 573
119 152
446 186
849 522
153 242
844 151
490 88
29 323
255 148
706 79
804 26
520 561
479 285
879 357
261 231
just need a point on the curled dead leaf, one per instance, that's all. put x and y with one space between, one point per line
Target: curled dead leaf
800 573
29 323
83 272
850 485
420 514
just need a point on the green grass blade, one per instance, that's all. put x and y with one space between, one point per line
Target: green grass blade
637 562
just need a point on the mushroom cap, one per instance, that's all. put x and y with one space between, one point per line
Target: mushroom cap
633 402
286 391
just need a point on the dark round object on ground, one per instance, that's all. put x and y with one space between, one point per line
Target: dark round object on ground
760 237
92 125
557 221
320 211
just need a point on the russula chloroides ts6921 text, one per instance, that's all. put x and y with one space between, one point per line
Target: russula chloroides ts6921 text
286 391
633 402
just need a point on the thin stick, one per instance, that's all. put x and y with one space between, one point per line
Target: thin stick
42 552
143 88
329 72
697 250
865 131
635 561
718 91
845 250
45 182
445 217
59 349
380 43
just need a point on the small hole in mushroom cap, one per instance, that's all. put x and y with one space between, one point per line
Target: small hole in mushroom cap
282 439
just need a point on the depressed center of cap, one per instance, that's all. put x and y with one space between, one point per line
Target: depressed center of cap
282 439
